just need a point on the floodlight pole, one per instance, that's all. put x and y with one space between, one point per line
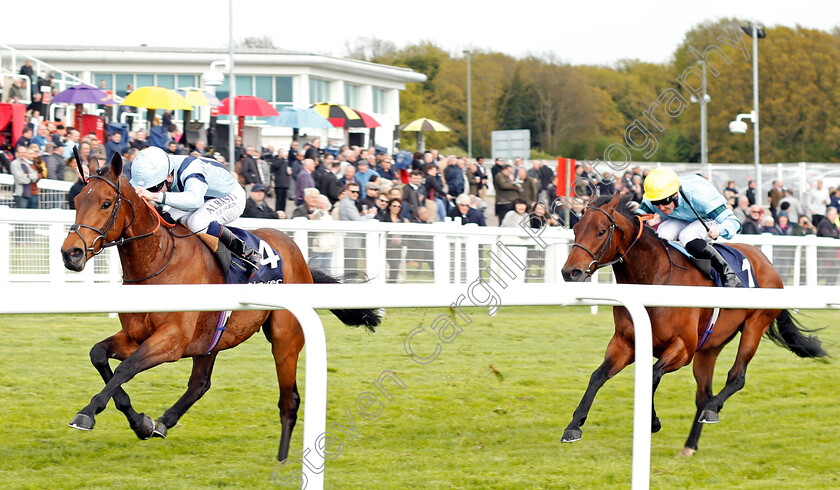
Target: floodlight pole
469 104
232 94
758 183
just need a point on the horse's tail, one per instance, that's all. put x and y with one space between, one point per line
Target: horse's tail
789 333
364 317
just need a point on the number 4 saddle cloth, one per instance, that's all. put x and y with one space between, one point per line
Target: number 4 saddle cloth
271 265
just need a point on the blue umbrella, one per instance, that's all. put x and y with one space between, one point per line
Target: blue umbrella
291 117
84 94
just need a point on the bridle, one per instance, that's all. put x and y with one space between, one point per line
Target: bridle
596 257
102 233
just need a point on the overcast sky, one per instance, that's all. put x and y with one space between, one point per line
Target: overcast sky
579 32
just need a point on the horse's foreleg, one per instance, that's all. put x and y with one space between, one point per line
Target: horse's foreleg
751 334
619 355
118 346
286 343
704 370
672 358
165 345
197 386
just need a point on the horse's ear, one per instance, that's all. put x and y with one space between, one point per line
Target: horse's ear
78 158
614 201
117 164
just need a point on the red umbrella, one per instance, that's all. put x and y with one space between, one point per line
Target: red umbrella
365 121
248 105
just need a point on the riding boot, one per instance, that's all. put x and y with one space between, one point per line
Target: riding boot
250 258
727 275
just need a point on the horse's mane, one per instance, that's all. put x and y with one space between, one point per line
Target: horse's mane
624 208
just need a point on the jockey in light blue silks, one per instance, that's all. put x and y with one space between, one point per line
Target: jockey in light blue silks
199 191
684 205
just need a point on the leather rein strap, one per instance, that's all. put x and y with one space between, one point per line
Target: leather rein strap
596 259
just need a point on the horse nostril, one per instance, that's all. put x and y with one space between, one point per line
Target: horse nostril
75 253
572 274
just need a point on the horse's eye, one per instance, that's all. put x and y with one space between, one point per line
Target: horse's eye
602 232
106 204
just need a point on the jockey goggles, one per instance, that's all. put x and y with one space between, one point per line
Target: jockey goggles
156 188
664 202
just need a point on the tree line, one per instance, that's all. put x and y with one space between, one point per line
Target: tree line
578 111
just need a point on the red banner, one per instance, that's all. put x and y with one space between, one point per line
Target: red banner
565 177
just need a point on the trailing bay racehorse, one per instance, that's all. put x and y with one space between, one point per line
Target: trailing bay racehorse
609 235
110 213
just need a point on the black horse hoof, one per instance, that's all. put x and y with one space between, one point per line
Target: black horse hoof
160 430
656 425
708 417
572 435
82 422
146 428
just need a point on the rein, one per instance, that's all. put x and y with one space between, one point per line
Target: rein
596 259
102 233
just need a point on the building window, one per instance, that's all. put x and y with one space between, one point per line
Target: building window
108 78
166 81
185 81
263 88
283 92
319 91
244 85
121 84
144 81
379 101
351 95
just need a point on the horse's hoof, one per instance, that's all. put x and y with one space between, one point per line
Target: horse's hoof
708 417
572 435
146 428
686 452
160 430
82 422
656 425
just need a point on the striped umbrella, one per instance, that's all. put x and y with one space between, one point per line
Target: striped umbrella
420 125
424 124
337 114
197 97
364 121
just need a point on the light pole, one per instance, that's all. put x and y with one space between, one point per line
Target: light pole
738 126
232 95
469 104
704 134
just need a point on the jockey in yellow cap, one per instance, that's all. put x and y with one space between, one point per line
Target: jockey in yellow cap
693 213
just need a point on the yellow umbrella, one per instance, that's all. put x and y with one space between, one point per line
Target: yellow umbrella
154 98
420 125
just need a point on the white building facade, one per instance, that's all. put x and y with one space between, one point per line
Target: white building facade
285 79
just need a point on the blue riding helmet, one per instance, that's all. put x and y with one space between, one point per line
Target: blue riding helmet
150 168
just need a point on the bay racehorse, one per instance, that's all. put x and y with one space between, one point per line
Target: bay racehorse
110 213
609 235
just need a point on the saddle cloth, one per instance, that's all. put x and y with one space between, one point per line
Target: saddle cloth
737 260
271 267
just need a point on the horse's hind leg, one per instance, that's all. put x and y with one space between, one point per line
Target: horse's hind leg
197 386
118 347
704 370
286 343
754 328
619 355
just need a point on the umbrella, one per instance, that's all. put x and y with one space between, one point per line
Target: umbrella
247 105
420 125
337 114
197 97
156 98
424 124
84 94
291 117
364 121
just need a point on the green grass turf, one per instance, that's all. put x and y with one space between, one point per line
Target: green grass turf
489 412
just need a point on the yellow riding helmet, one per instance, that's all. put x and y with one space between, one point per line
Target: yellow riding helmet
660 183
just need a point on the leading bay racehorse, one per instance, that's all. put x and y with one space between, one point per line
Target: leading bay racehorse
110 213
609 235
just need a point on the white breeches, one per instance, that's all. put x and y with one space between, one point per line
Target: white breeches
682 231
222 210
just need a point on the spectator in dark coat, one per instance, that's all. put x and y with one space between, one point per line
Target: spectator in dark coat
280 173
328 185
828 226
250 171
414 194
256 207
467 214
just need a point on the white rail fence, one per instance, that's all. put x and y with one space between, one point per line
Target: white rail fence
441 253
302 300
